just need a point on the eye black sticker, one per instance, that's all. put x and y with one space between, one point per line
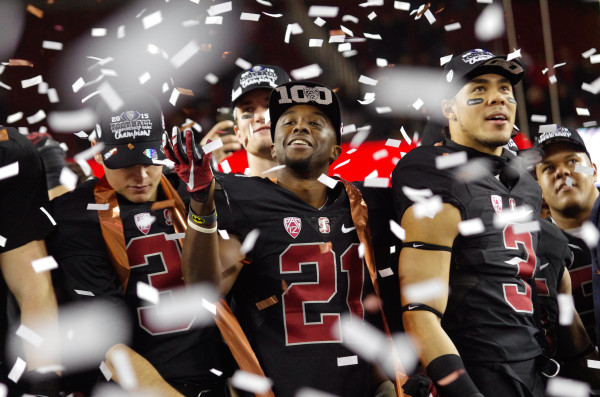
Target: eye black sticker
475 101
512 100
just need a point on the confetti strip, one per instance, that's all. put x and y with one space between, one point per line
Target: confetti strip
344 47
97 207
50 218
310 392
589 234
37 117
490 23
348 360
10 170
110 96
547 128
2 241
383 109
405 136
66 121
520 214
562 387
52 45
246 16
251 382
513 55
152 20
273 169
393 142
29 335
144 78
471 227
397 230
53 95
68 178
451 27
380 154
451 160
292 29
122 364
347 31
241 63
105 371
315 43
589 53
425 290
582 111
218 20
430 18
98 32
377 182
13 118
84 293
307 72
44 264
17 370
538 118
35 11
595 59
402 5
582 169
565 309
381 62
595 364
214 145
223 233
185 54
371 16
526 227
320 22
428 208
327 181
350 18
220 8
323 11
31 82
386 272
216 371
249 241
418 104
367 80
147 292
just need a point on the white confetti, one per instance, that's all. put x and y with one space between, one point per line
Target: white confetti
377 182
513 55
220 8
272 15
327 181
223 233
122 364
372 16
97 207
99 32
588 124
110 97
369 98
144 78
9 170
29 335
37 117
595 364
105 371
452 26
343 163
547 128
320 22
405 135
344 47
552 79
44 264
247 16
416 195
471 227
350 18
582 111
589 53
526 227
249 241
402 5
451 160
383 109
372 3
589 234
418 104
251 382
52 45
323 11
583 169
397 230
67 121
430 18
310 392
84 293
217 20
307 72
386 272
359 138
315 43
174 96
349 129
68 178
380 154
565 309
538 118
242 63
152 20
53 95
595 59
490 23
185 54
147 292
519 214
428 208
381 62
17 370
367 80
174 236
214 145
273 169
50 218
347 31
14 117
348 360
393 142
292 29
562 387
425 290
337 38
216 371
2 241
31 82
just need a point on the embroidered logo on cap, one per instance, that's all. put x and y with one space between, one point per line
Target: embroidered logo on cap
292 225
131 124
477 55
303 94
258 75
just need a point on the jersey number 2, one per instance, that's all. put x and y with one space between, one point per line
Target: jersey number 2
520 301
297 329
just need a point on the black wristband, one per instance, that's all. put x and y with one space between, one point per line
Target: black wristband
202 220
445 365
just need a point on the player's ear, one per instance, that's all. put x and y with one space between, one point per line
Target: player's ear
97 156
595 172
273 152
335 153
237 132
448 109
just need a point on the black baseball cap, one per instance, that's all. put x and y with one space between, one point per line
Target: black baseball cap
295 93
133 133
258 76
560 135
464 67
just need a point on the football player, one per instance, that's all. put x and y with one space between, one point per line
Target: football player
107 251
475 324
293 266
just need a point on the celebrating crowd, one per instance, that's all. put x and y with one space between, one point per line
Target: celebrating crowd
292 274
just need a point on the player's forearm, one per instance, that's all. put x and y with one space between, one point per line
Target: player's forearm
431 339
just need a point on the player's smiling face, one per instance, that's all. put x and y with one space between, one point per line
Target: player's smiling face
564 189
482 114
252 129
305 139
137 183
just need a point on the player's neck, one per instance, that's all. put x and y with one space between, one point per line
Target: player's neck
310 190
566 222
258 165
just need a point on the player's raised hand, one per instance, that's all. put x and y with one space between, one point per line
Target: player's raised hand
230 142
191 163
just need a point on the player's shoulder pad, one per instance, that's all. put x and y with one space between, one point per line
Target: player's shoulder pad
417 169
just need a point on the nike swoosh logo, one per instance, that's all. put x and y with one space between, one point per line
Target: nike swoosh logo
417 245
347 229
412 307
544 266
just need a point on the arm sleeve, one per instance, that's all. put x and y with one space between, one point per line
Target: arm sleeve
23 195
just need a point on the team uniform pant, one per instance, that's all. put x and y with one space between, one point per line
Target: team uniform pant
501 379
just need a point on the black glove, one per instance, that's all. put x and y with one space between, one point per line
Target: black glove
52 155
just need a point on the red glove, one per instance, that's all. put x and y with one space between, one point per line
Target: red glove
191 163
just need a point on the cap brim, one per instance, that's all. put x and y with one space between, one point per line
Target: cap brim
513 70
121 156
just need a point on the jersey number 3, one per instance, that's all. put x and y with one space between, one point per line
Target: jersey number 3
520 301
300 294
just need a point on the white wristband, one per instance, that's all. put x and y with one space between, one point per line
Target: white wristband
201 229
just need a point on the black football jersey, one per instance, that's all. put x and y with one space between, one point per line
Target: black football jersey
304 273
554 256
581 282
489 315
180 352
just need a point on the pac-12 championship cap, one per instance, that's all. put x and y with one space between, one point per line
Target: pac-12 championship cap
133 133
305 93
464 67
258 76
560 135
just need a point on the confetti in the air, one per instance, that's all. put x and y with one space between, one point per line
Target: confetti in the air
583 169
320 22
565 309
397 230
377 182
428 208
451 160
589 53
589 234
451 27
52 45
425 290
582 111
44 264
386 272
31 82
490 23
292 29
124 368
220 8
152 20
185 54
214 145
17 370
29 335
562 387
471 227
307 72
249 241
539 118
402 5
327 181
405 135
251 382
315 43
144 78
246 16
367 80
9 170
147 292
323 11
68 121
